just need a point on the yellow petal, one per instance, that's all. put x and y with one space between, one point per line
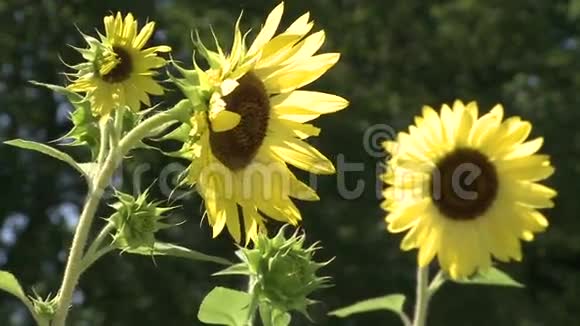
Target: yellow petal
233 220
533 194
525 149
429 247
225 120
268 30
144 35
302 106
306 48
300 26
529 168
405 217
298 74
301 155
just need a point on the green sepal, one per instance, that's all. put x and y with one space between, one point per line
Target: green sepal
391 302
273 317
45 308
223 306
85 130
214 59
195 86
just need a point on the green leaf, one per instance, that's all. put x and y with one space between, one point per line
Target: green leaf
10 284
72 96
491 276
168 249
392 302
223 306
237 269
50 151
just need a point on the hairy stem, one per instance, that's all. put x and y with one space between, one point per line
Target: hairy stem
74 266
98 242
423 296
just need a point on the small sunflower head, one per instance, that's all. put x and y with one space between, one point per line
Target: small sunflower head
283 269
136 220
118 71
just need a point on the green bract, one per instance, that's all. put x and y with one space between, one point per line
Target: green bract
283 271
136 221
45 308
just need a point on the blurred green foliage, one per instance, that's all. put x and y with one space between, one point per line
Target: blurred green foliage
396 56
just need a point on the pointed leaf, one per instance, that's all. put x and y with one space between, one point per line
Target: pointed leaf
223 306
492 276
168 249
45 149
10 284
392 302
238 269
72 96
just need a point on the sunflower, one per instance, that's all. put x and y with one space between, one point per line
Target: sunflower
118 71
250 121
464 187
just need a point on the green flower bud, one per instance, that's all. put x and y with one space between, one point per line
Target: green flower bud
136 220
283 271
44 308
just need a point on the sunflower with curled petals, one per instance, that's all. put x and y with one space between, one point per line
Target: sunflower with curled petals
119 71
465 187
250 122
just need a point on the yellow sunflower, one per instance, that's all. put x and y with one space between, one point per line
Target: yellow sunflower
118 71
464 187
250 121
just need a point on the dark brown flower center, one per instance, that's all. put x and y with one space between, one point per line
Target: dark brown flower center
122 70
236 148
464 184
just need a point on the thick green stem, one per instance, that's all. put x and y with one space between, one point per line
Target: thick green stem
103 140
423 296
74 266
38 320
254 301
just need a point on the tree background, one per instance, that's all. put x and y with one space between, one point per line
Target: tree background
396 56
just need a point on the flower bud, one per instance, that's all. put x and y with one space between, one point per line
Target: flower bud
44 308
136 220
283 271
